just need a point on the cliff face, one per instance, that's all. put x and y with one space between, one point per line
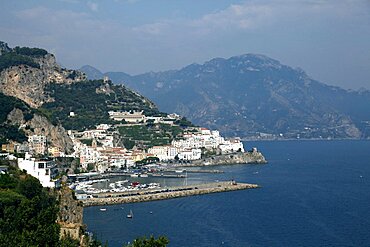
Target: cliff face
28 83
57 135
39 125
24 74
33 85
70 215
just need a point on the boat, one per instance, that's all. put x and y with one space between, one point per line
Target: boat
103 209
130 215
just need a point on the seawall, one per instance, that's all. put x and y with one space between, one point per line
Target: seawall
168 193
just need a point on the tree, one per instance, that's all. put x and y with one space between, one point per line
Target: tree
28 212
149 242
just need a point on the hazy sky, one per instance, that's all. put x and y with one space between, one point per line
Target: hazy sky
330 40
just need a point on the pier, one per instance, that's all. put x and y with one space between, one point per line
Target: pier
165 193
195 171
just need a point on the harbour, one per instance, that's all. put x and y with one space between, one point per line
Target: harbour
164 193
306 199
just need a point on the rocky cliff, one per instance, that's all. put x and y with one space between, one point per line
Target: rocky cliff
28 83
70 215
25 73
252 157
40 125
38 96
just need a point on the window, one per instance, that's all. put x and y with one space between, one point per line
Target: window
41 165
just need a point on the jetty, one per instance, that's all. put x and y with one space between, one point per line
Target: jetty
164 193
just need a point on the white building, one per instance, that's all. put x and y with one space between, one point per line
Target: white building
164 152
108 141
191 154
230 146
43 170
97 133
129 117
37 144
205 131
103 126
88 155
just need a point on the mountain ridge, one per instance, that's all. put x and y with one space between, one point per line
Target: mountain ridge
254 96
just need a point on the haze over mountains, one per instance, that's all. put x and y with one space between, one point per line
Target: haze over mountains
253 96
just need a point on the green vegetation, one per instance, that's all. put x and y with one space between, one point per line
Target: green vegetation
72 75
10 59
8 103
91 101
149 242
149 160
11 132
31 52
28 212
206 153
7 131
150 135
184 123
88 142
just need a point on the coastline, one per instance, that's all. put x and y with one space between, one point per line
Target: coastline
251 157
167 193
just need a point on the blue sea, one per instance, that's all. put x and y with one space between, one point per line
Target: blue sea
314 193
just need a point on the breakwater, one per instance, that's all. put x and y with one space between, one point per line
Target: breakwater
165 193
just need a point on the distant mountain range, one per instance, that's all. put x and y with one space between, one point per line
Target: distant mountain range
254 97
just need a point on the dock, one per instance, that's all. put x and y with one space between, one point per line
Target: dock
195 171
164 193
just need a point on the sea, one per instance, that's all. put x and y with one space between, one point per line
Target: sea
313 193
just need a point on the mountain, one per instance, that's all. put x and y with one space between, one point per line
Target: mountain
37 96
254 96
91 72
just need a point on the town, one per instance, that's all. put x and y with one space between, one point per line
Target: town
97 151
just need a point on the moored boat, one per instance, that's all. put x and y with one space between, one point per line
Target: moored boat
130 215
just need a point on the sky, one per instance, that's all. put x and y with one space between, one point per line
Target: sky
330 40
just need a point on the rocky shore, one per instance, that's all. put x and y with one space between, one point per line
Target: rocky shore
251 157
163 194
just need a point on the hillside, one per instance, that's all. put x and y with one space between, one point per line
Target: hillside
28 212
37 97
90 101
254 96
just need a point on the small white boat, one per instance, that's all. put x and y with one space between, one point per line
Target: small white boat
130 215
103 209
